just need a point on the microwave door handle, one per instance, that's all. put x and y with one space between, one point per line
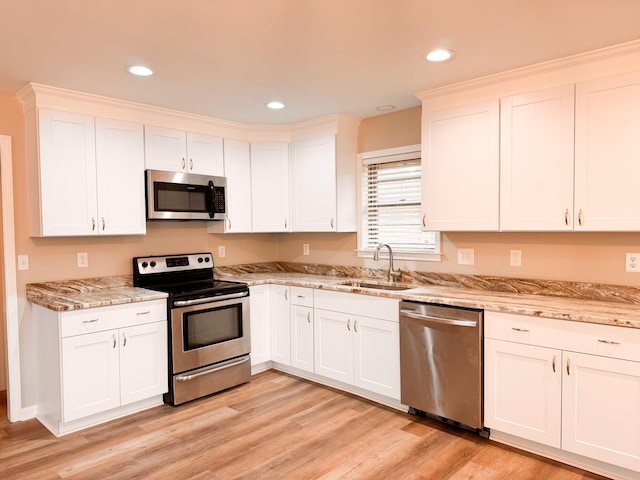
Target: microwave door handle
211 203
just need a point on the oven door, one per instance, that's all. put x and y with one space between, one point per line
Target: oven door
208 331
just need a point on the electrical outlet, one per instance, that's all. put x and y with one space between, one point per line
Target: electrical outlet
23 262
83 259
465 256
515 258
221 251
305 249
633 262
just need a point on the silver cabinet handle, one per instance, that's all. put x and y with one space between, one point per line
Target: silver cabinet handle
229 223
355 326
103 224
524 330
184 164
191 164
93 224
553 364
308 317
332 223
349 324
566 217
93 320
580 217
609 342
124 339
424 220
114 341
286 294
568 367
285 223
143 313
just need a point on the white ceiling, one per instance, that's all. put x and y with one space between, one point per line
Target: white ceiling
227 58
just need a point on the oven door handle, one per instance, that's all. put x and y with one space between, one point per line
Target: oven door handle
198 301
186 378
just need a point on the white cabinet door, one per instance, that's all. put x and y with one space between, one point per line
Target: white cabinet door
377 356
333 345
280 324
237 168
143 361
607 152
536 160
120 177
270 187
313 184
522 385
165 149
204 154
91 378
460 186
302 337
601 418
260 307
68 199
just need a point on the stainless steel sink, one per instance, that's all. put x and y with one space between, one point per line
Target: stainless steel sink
377 285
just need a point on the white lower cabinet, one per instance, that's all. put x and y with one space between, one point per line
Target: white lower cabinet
280 324
568 385
356 341
302 321
260 307
99 363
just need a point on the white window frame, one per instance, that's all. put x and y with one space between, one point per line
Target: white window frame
387 155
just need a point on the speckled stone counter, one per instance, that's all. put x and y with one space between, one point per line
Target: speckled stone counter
584 302
88 293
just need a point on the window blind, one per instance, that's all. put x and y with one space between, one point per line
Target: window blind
393 209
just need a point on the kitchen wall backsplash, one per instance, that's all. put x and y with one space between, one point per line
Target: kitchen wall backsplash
553 288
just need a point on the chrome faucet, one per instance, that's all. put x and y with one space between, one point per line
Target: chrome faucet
392 274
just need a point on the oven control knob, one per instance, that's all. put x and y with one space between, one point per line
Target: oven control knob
206 259
144 264
200 260
153 264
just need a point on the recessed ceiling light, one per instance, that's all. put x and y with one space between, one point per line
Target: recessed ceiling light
439 55
386 108
275 105
140 70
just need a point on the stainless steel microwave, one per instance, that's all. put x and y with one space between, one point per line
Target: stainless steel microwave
185 196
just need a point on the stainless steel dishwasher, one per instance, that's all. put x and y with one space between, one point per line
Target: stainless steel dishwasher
441 362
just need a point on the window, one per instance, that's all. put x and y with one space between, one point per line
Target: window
391 197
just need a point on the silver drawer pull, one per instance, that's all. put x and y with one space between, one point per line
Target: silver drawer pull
144 313
553 364
93 320
568 366
124 339
301 296
609 342
524 330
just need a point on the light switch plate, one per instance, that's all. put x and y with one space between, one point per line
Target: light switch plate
23 262
83 259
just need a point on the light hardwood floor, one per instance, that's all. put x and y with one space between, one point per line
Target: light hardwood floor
275 427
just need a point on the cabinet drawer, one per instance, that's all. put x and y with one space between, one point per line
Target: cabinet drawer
78 322
302 296
591 338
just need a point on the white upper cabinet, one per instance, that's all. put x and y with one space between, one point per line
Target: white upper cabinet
607 140
536 160
237 167
270 186
120 169
90 174
180 151
461 167
313 184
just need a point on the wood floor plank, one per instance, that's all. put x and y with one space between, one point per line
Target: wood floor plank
275 427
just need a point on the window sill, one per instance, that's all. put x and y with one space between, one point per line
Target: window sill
412 256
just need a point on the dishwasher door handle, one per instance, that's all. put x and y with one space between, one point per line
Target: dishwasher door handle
443 321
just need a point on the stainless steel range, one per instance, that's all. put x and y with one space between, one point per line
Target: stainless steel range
209 337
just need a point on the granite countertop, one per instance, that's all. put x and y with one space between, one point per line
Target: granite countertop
563 308
593 303
89 293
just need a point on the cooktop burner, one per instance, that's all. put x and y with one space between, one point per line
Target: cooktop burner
182 276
